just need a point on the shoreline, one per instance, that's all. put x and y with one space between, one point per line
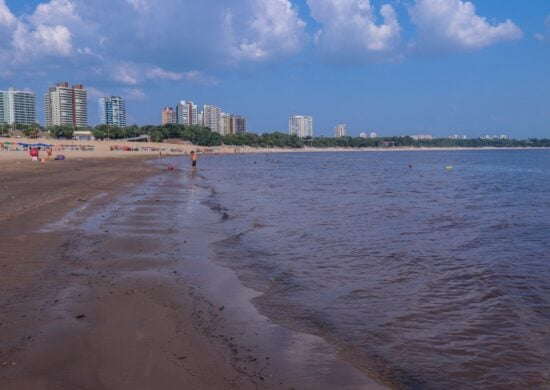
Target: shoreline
98 291
103 150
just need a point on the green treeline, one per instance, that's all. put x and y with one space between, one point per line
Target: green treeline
202 136
199 135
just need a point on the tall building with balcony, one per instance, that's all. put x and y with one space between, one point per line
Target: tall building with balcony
225 123
18 107
301 125
212 118
66 106
112 111
340 131
237 124
169 116
186 113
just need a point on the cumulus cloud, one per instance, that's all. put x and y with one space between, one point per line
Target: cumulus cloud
43 40
182 40
454 25
274 29
55 12
6 17
351 32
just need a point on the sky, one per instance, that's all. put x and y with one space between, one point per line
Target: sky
395 67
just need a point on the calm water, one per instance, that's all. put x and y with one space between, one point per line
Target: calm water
425 277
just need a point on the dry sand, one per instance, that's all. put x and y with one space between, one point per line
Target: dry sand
113 308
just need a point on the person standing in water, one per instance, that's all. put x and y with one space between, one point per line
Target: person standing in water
193 159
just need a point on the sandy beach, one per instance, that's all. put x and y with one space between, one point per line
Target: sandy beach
122 149
99 291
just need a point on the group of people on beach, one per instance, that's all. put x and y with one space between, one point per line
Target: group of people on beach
34 152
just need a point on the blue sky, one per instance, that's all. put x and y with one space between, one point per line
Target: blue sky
395 67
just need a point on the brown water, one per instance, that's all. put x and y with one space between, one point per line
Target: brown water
428 278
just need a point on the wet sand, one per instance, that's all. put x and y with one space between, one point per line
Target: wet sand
107 283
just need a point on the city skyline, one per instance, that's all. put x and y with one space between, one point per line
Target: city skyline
438 67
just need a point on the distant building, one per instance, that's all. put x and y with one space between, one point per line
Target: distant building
18 107
201 118
363 135
422 137
225 123
186 113
238 124
211 118
373 135
168 116
300 125
112 111
456 136
340 131
64 105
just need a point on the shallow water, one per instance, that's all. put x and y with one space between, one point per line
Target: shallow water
425 277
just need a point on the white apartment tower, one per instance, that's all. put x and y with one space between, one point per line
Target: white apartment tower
340 131
66 106
300 125
112 111
17 107
186 113
212 118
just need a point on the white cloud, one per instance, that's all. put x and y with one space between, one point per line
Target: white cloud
126 74
199 77
350 31
274 29
139 5
134 94
6 17
94 93
159 73
544 36
454 25
80 33
43 40
55 12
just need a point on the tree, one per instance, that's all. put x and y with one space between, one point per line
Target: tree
62 131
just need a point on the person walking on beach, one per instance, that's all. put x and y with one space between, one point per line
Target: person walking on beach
33 152
193 159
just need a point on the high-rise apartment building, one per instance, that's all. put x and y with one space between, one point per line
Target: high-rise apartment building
112 111
67 106
169 116
300 125
211 118
186 113
17 107
340 131
225 123
238 124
